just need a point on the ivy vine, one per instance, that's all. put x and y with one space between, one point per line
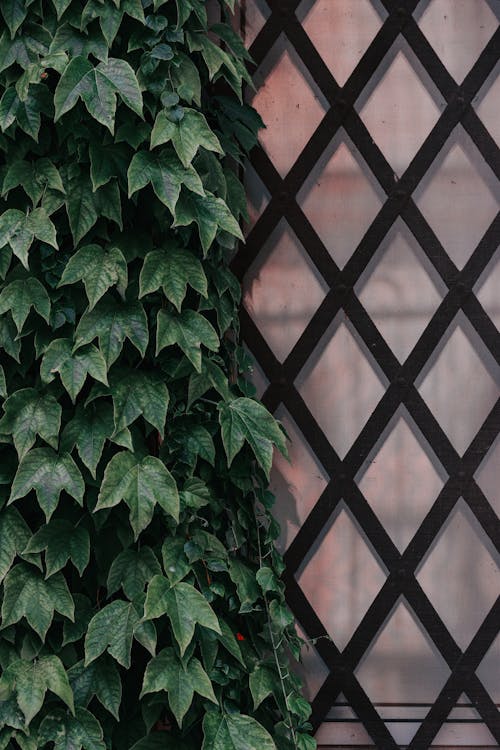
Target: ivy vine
141 605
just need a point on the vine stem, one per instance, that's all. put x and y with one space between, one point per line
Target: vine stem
273 642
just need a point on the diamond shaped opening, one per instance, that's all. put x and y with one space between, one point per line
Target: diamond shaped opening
488 671
297 483
401 478
256 14
400 106
458 30
486 103
311 668
400 290
402 666
341 197
341 31
461 365
341 384
487 476
458 184
289 102
341 575
464 728
459 574
258 196
487 287
282 290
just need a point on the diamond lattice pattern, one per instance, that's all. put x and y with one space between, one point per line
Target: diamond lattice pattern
371 277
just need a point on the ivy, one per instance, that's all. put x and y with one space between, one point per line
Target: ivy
140 593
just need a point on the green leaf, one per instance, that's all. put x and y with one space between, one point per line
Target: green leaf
244 419
209 213
102 679
174 560
139 393
141 483
112 629
194 440
189 330
14 536
166 175
172 270
244 579
81 204
3 383
280 615
88 430
27 594
107 162
61 6
131 571
267 580
61 541
48 474
73 368
112 322
229 641
99 269
234 732
19 229
8 340
20 296
263 682
14 13
180 680
98 87
183 605
32 679
68 39
79 732
187 135
29 413
35 178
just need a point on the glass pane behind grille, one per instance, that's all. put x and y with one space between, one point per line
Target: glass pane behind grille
371 279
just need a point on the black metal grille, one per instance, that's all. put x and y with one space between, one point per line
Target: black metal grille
401 390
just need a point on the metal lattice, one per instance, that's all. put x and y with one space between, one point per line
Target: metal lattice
459 295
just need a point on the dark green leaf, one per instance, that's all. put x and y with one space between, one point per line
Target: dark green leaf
29 413
99 269
112 322
72 367
131 571
14 536
141 483
112 629
183 605
27 594
48 474
98 87
209 213
189 331
172 269
32 679
166 175
234 732
187 135
179 679
61 541
20 296
244 419
79 732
